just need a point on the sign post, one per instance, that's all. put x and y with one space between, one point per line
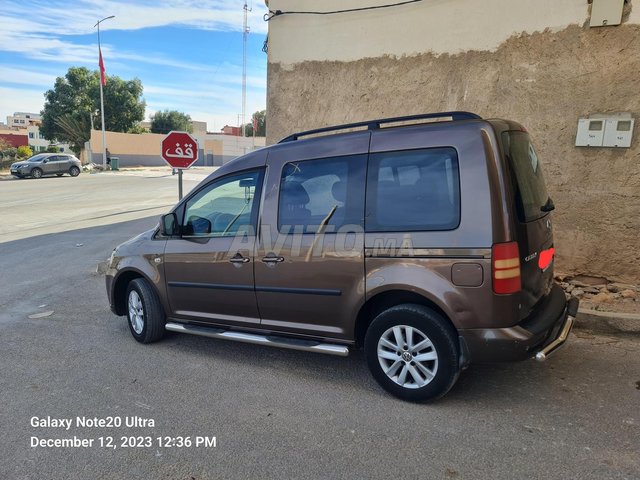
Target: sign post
180 151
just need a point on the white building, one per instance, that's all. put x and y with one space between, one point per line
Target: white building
31 123
23 119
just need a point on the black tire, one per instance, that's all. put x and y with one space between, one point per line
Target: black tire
59 174
153 319
74 171
36 173
443 343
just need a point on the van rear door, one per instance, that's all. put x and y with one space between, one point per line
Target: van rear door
532 205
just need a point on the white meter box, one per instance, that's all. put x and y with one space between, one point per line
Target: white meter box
605 13
590 132
605 131
617 132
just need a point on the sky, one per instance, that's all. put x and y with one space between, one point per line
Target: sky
187 53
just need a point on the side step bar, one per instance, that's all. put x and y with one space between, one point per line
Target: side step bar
271 340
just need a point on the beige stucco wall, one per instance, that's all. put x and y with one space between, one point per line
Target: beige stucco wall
439 26
149 143
127 143
433 56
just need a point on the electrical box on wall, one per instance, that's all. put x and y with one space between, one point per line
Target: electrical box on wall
605 131
606 12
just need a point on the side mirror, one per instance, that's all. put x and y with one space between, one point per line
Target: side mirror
46 160
169 225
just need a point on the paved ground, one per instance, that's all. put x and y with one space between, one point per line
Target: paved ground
275 413
56 204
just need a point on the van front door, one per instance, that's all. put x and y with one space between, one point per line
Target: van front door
310 258
209 268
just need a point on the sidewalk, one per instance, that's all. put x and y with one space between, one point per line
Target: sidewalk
193 173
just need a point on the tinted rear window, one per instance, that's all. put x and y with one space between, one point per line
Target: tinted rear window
530 190
415 190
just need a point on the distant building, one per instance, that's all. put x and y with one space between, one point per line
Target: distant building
14 138
28 124
23 119
38 143
229 130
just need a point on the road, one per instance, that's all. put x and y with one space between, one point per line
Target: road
275 413
56 204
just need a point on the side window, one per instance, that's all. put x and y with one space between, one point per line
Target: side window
416 190
223 208
327 191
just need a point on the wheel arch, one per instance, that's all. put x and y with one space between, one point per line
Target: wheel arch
390 298
120 284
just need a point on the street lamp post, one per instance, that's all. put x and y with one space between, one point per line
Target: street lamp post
104 135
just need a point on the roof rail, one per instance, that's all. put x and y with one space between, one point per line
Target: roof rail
375 124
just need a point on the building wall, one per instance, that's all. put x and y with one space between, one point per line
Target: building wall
533 61
144 149
38 143
23 119
14 139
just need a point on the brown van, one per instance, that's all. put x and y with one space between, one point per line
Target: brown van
426 240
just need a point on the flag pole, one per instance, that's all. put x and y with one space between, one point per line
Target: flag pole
104 135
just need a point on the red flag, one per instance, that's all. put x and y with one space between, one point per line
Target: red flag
103 75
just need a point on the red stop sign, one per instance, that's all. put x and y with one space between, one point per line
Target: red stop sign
179 149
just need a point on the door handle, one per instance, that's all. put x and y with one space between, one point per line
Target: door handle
271 258
237 258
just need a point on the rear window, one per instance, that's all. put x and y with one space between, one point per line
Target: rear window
416 190
530 190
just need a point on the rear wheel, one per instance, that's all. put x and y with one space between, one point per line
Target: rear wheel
36 173
74 171
412 352
144 312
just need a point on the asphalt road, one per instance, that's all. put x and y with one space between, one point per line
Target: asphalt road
274 413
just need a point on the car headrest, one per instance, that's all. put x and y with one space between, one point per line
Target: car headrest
294 193
339 191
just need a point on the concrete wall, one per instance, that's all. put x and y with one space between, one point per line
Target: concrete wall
534 61
144 149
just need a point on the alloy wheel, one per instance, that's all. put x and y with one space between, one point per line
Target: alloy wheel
136 312
407 356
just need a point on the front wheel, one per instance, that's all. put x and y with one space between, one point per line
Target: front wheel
412 352
144 312
36 173
74 171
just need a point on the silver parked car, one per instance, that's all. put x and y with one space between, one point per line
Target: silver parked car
47 164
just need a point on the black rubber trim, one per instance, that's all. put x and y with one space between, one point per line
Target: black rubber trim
213 286
302 291
220 286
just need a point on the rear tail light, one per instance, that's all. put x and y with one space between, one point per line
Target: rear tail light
506 268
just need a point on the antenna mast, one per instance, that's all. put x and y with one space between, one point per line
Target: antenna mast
245 35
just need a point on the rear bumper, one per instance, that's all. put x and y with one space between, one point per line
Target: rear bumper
538 336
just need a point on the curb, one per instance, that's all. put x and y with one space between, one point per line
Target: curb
608 322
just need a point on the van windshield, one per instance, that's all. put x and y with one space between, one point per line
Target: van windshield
530 189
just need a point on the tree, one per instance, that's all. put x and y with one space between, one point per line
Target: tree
53 149
24 152
75 100
138 129
164 122
260 116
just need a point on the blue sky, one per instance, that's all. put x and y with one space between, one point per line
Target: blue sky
187 53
